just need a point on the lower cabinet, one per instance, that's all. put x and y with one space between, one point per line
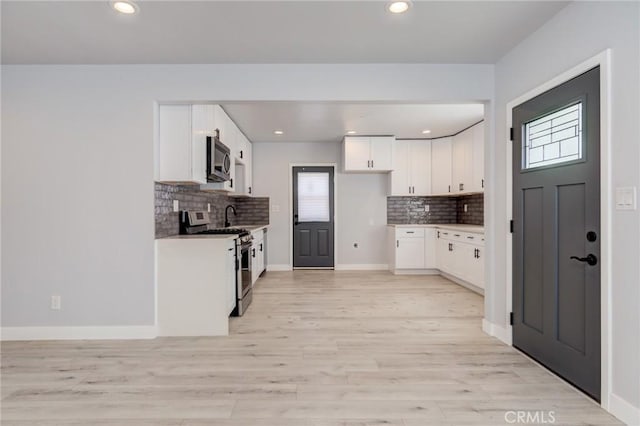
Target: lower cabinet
461 254
431 249
232 271
194 289
412 248
258 249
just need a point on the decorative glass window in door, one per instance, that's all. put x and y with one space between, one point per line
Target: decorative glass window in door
553 139
313 197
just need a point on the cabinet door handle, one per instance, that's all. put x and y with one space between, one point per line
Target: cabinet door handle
470 237
397 243
241 154
249 190
410 232
260 246
449 188
478 253
372 164
231 182
456 235
461 186
253 252
482 183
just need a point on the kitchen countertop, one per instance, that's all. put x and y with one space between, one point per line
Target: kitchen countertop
478 229
250 228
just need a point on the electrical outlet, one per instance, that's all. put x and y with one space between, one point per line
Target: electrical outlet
355 245
176 206
56 303
209 207
426 208
465 208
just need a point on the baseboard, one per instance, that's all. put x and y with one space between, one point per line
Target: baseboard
498 331
279 268
362 267
623 410
463 283
78 333
415 272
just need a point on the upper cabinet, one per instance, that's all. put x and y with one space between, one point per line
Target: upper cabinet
468 160
368 154
411 172
181 143
181 148
477 182
441 166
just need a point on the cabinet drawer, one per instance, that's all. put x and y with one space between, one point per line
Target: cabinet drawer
409 232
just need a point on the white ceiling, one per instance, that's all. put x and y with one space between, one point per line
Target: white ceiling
185 32
329 122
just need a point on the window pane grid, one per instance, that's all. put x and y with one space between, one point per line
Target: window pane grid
553 139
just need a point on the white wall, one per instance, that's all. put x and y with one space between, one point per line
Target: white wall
77 168
361 204
579 32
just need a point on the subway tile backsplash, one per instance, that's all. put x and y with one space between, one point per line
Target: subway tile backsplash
475 209
251 211
411 210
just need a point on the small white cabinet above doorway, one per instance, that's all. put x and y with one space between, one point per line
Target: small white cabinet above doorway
368 153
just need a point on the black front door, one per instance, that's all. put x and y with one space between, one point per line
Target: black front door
313 217
556 239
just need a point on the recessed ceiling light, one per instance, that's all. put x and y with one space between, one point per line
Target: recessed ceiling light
351 132
398 6
125 7
278 132
426 132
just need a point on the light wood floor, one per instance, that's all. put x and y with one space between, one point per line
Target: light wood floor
315 349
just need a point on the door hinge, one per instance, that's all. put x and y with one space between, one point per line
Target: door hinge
510 318
511 226
511 134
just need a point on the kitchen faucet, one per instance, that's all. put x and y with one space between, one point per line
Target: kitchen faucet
226 215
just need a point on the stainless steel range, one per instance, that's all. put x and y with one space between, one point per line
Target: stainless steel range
197 222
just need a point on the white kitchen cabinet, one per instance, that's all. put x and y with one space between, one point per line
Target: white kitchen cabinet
368 154
257 255
411 173
181 144
468 160
430 261
232 269
477 178
441 166
193 285
243 172
461 255
409 248
462 151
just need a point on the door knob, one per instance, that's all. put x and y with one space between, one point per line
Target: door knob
591 259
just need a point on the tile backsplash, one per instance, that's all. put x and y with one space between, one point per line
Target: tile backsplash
475 209
254 210
411 210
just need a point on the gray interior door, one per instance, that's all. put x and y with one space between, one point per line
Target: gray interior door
556 239
313 217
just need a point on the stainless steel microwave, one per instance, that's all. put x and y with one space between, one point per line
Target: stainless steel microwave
218 159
